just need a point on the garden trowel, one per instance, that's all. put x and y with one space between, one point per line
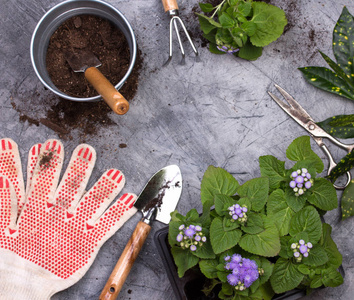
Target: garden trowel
85 61
157 200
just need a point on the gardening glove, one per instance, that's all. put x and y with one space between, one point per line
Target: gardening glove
49 235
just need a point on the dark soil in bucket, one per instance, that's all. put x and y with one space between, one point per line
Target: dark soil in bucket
38 106
94 34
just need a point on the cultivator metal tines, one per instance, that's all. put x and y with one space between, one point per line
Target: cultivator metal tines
171 7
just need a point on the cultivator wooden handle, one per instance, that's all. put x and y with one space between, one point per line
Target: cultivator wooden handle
169 5
110 95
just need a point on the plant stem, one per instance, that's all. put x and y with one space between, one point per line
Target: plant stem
217 8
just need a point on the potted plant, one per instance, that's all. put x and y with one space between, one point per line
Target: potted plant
263 238
241 27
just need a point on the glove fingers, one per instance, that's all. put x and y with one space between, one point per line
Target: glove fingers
45 175
76 176
10 166
33 155
8 207
100 196
104 227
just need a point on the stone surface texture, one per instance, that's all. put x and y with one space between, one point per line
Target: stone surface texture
214 112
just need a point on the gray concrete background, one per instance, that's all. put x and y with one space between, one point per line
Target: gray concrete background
214 112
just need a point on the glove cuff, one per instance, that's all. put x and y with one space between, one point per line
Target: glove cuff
16 282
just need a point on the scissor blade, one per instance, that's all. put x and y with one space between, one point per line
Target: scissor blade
292 108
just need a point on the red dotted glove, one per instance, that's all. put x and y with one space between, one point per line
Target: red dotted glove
50 235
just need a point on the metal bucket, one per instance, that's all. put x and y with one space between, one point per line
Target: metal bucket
59 14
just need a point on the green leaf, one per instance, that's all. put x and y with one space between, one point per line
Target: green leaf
322 194
300 150
207 24
229 225
184 260
340 126
317 257
205 251
296 203
272 168
192 216
206 7
208 268
249 51
316 282
222 202
327 80
249 27
267 291
173 231
286 276
332 278
338 70
226 21
267 267
285 251
343 39
334 256
254 223
304 269
265 243
256 190
278 209
222 240
245 8
217 181
347 201
343 166
307 220
270 21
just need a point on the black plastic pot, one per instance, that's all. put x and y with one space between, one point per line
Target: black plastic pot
190 285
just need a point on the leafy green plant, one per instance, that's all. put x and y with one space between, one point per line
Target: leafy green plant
264 236
241 27
339 81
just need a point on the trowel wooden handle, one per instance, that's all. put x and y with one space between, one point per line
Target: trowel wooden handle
121 270
110 95
169 4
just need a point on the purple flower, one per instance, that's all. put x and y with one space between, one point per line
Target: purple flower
299 179
193 247
189 232
233 265
246 263
179 237
236 258
303 249
198 228
236 270
292 184
247 280
308 184
198 238
244 272
232 279
227 258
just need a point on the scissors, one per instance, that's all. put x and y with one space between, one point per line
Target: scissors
294 110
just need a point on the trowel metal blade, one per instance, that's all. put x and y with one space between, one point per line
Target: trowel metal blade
161 193
80 60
